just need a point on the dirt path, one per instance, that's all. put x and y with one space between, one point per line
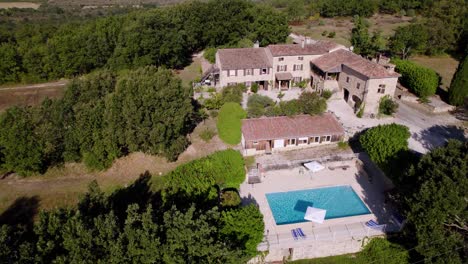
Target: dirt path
60 83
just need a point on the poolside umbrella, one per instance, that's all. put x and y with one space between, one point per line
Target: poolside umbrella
316 215
314 166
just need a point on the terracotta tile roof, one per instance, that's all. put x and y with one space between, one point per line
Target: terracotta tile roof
243 58
283 127
331 61
317 48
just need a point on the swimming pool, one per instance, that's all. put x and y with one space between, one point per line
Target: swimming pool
339 201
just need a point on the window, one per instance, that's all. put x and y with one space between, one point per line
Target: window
381 89
264 71
297 79
358 85
328 138
248 72
232 84
255 143
316 139
281 59
292 141
281 68
300 58
347 79
232 73
302 141
248 84
297 67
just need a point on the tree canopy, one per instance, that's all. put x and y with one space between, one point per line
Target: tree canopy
145 222
161 36
438 211
419 79
100 118
458 91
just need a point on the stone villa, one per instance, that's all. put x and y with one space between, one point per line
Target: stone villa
320 65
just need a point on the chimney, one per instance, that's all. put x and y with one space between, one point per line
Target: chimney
256 44
302 43
308 41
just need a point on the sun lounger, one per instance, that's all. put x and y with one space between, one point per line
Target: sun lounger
374 225
301 233
294 234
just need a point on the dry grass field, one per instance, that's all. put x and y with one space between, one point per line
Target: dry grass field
444 65
30 95
63 186
19 4
343 26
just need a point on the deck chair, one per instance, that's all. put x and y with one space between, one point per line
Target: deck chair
374 225
294 234
301 233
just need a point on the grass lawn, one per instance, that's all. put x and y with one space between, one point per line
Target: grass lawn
191 72
341 259
342 27
444 65
229 123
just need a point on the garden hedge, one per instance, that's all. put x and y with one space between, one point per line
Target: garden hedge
420 80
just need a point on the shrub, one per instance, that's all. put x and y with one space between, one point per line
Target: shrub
244 224
324 33
210 54
420 80
233 93
257 104
214 102
387 106
224 168
312 103
332 34
214 113
411 13
230 198
327 94
459 87
343 144
229 123
254 88
360 113
384 142
290 108
382 250
207 134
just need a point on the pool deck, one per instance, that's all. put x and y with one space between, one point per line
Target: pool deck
334 236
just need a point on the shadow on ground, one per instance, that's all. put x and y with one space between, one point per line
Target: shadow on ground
21 211
437 136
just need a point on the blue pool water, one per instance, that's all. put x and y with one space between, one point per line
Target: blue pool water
339 201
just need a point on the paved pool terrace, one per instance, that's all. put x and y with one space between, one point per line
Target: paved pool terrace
334 236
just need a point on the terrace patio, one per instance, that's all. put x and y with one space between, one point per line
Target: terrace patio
334 236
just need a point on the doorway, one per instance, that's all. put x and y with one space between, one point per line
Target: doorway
346 94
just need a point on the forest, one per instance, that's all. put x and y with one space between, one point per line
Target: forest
167 36
154 220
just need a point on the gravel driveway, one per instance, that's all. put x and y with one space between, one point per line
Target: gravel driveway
427 130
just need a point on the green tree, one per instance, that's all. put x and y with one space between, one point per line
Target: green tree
312 103
384 143
458 90
438 209
409 40
362 41
244 225
10 67
20 146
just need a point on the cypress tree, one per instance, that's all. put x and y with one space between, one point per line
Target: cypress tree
459 87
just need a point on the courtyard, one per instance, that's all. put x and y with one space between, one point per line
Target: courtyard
333 236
